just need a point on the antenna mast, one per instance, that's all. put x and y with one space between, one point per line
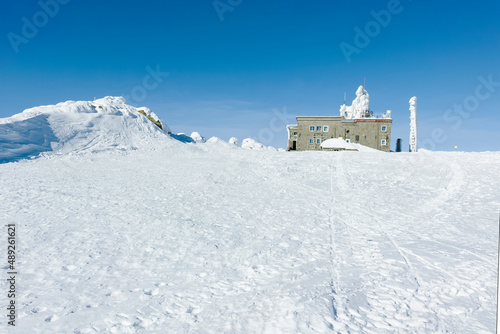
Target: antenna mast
413 124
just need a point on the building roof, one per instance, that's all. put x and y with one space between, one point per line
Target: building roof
336 117
346 120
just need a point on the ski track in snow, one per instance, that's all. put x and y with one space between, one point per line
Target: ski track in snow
372 302
402 300
210 239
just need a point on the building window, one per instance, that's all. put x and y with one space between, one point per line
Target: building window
311 141
311 128
318 140
357 139
347 140
318 127
384 128
295 133
383 142
325 128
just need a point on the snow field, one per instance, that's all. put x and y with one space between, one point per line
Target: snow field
212 238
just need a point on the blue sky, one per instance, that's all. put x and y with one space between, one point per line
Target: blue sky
263 63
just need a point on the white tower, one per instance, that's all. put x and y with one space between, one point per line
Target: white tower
413 124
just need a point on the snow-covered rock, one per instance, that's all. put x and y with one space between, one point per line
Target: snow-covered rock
154 118
233 141
214 140
78 126
197 137
252 144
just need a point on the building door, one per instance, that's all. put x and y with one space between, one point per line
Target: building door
294 145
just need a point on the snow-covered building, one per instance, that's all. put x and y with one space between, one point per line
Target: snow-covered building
355 124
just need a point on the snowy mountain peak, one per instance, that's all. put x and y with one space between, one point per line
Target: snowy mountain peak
109 103
78 126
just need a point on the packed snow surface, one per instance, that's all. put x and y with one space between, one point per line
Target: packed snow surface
184 238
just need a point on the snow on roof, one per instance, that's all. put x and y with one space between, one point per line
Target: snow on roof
341 144
337 143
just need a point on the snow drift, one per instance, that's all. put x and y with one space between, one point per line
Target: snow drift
78 126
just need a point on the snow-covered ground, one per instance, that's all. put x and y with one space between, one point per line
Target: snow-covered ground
161 236
208 238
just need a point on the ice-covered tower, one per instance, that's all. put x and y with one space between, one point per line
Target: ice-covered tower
413 124
360 105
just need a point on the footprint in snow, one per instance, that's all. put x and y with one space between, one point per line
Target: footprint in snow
52 318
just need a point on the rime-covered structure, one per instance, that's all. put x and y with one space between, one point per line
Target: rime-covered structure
360 106
413 124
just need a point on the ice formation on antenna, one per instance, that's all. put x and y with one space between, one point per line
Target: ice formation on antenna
360 105
413 124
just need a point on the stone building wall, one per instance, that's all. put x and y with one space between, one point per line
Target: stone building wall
371 132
